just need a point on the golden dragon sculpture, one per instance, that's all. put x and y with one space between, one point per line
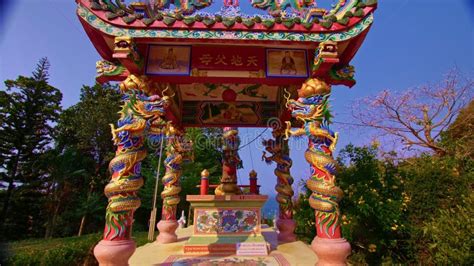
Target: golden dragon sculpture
278 148
230 162
138 113
178 150
312 109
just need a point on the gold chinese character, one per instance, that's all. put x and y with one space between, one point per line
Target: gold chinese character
220 60
236 60
205 59
252 61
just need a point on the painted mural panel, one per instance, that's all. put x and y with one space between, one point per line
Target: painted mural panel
168 60
230 221
237 92
287 63
217 113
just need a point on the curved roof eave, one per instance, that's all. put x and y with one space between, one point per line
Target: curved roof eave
108 28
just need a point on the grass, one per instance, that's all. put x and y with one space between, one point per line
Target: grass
59 251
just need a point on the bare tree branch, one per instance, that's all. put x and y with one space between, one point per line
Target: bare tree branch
417 116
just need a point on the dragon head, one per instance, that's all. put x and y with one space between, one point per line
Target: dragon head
311 102
151 107
137 90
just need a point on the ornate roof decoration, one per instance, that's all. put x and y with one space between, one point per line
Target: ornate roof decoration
295 15
205 33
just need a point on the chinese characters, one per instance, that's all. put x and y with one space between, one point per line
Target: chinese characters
233 60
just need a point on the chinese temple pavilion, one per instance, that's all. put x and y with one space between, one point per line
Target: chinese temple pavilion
199 63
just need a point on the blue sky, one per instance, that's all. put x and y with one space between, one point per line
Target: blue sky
411 43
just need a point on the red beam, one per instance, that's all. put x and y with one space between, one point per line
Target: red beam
189 80
97 39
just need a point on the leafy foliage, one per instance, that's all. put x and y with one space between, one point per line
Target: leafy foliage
451 234
59 251
413 210
84 127
60 181
304 217
433 183
458 139
29 107
206 143
374 207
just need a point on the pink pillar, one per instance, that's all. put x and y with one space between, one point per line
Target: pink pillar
170 194
280 154
178 151
331 251
312 108
114 253
117 246
230 162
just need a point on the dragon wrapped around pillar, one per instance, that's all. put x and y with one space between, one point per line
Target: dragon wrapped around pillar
278 148
138 112
230 162
177 151
312 109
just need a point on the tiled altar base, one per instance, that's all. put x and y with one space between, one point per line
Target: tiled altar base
295 253
272 259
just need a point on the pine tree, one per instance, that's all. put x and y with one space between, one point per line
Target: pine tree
29 109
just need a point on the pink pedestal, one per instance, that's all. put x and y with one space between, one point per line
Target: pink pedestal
331 251
287 229
114 253
167 230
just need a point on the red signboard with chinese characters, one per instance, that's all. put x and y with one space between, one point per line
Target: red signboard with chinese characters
228 58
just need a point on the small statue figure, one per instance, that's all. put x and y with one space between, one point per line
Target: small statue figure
182 220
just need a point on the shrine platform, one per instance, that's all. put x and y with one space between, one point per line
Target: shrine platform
285 254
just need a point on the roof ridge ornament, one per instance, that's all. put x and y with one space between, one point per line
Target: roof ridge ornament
279 8
182 6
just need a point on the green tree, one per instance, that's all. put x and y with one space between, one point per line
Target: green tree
85 127
374 204
458 139
408 210
29 108
206 156
304 215
440 183
62 174
450 235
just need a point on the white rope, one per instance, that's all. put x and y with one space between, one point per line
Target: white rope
250 151
158 172
151 229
